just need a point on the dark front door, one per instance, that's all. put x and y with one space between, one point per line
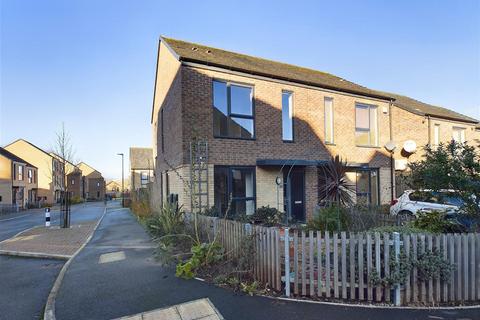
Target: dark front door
295 193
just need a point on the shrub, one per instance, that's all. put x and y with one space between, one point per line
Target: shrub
203 255
169 221
407 229
333 218
267 216
211 212
436 222
141 208
75 200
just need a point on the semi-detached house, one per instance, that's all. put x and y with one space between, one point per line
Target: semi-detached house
257 132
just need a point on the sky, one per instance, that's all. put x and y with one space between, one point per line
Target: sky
90 64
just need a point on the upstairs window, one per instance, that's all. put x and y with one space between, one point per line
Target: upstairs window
328 104
30 176
458 134
20 173
436 135
366 125
287 116
143 179
233 110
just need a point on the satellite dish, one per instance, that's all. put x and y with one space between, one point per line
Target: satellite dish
390 146
410 146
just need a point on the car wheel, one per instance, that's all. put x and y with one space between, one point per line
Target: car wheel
405 213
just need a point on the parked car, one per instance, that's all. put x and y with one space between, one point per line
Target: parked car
412 202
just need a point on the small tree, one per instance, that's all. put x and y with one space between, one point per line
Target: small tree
334 184
453 166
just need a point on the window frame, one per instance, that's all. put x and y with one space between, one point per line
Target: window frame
462 131
369 193
436 134
292 110
144 180
377 133
332 129
20 172
230 115
230 183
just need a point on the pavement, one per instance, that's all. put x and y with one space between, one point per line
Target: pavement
48 241
115 276
26 282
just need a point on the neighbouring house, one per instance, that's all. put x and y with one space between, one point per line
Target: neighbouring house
73 176
418 123
141 167
114 189
232 130
49 169
93 183
18 181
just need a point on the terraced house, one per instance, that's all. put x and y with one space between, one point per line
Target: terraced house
259 132
18 181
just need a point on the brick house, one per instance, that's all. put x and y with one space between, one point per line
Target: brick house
258 132
93 183
18 181
49 169
141 167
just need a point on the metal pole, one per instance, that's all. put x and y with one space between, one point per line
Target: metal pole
123 185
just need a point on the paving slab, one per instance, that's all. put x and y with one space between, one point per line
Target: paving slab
53 241
201 309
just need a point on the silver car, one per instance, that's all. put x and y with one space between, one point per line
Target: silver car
412 202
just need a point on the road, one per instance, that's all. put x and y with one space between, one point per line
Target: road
131 281
26 282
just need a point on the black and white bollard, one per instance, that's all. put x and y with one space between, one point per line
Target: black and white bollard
47 217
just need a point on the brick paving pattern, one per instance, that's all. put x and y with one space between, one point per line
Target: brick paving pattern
53 240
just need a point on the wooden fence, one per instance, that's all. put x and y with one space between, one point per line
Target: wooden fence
345 265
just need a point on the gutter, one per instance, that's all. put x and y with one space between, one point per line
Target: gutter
203 62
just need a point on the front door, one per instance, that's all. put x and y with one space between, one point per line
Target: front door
295 193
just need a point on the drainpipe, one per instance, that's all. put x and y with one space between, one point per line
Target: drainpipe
392 166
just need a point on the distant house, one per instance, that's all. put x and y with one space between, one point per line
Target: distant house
18 181
93 183
113 189
49 168
73 177
141 167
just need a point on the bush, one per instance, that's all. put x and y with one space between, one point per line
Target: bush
436 222
333 218
211 212
169 221
407 229
75 200
267 216
141 209
203 255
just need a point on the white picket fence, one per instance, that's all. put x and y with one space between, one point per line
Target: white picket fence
342 265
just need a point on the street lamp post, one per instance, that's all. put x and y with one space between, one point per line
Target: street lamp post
123 188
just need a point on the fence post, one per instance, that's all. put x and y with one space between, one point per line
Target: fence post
287 263
396 243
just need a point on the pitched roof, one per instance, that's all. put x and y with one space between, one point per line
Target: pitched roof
425 109
86 169
141 158
197 53
31 144
13 157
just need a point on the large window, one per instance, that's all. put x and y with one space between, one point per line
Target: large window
233 110
436 134
237 184
328 104
367 187
458 134
30 176
144 179
20 172
287 116
366 125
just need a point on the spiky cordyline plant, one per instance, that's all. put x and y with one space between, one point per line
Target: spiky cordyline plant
334 184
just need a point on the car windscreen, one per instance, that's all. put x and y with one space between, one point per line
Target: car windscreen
447 198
